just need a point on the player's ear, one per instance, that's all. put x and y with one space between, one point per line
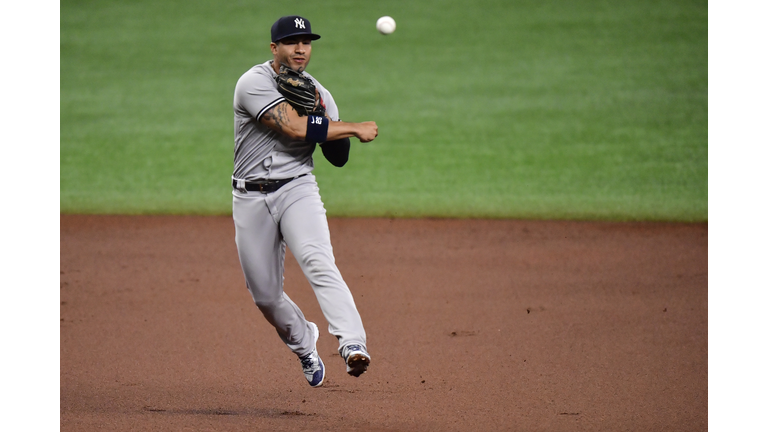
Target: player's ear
273 47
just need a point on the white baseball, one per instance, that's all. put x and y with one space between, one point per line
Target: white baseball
385 25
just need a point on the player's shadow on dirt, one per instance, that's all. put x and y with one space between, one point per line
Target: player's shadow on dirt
255 412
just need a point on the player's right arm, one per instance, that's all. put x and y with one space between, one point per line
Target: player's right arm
284 119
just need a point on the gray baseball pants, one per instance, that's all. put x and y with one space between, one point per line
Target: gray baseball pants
294 216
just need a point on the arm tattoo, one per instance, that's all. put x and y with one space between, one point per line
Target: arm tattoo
278 115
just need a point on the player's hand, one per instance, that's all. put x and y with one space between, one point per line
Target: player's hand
367 131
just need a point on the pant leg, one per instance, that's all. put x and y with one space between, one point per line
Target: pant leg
305 228
261 250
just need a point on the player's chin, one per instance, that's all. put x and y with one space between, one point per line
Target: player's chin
299 66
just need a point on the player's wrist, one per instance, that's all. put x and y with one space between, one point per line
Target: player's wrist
339 129
317 129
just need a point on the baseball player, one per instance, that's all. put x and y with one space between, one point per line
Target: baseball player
281 113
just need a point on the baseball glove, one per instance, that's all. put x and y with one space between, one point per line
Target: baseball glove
300 92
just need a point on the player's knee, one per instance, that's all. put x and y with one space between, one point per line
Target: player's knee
266 303
316 259
264 298
262 305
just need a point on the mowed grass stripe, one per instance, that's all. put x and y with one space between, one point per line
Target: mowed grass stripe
584 109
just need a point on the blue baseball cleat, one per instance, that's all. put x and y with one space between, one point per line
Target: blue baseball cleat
314 369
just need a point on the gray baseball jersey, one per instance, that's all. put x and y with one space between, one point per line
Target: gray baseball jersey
260 152
292 216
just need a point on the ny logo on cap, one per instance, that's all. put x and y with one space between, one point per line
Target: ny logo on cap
299 23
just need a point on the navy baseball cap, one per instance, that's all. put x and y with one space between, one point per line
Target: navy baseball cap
293 25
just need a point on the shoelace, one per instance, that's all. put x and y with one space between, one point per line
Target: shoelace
307 362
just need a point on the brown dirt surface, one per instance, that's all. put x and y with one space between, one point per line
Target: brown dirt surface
472 325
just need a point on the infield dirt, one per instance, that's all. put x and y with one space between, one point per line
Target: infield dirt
472 325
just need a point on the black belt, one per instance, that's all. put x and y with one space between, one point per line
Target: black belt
265 186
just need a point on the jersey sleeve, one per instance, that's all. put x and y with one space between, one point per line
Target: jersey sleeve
255 94
330 106
331 110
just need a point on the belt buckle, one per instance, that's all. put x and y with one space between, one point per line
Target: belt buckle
263 184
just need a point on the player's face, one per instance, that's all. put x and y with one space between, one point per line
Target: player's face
294 51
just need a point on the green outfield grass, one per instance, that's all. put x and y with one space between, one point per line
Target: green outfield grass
582 109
